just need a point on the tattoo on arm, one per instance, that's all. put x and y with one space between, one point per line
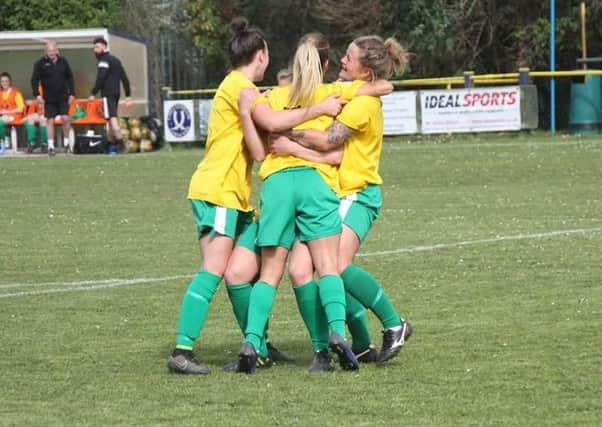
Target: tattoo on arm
338 133
296 134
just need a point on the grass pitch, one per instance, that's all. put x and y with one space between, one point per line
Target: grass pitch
489 244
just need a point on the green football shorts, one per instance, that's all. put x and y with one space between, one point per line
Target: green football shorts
248 238
359 210
214 219
296 202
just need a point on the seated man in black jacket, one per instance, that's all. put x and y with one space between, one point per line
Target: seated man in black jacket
110 73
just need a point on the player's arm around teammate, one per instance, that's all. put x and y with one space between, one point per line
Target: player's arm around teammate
278 121
280 144
275 120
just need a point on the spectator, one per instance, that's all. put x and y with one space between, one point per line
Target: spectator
109 74
11 104
54 74
36 117
284 77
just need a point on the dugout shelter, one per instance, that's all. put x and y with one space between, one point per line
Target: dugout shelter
20 49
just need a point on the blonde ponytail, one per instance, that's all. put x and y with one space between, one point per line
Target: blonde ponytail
308 68
307 75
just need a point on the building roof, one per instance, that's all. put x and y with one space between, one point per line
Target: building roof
67 39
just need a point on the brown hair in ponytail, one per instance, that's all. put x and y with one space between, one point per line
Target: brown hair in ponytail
383 57
245 42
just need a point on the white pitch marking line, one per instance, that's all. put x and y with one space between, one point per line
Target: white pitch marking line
89 282
481 241
82 283
82 286
113 283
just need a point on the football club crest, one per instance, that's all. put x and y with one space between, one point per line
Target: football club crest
179 120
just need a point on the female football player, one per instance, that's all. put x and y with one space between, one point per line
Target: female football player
359 127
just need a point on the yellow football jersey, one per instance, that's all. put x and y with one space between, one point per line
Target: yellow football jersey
278 99
223 177
361 156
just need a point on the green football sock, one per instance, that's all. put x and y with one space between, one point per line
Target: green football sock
312 313
239 297
260 305
267 328
263 346
357 323
30 130
332 295
195 306
363 286
2 130
43 135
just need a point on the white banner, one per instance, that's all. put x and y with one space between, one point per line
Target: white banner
204 108
399 112
179 121
471 109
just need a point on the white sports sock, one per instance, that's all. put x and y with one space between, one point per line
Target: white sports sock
51 143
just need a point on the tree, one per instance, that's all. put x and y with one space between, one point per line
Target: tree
207 24
145 19
48 14
344 20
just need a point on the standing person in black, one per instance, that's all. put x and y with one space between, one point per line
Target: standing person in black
110 73
53 75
